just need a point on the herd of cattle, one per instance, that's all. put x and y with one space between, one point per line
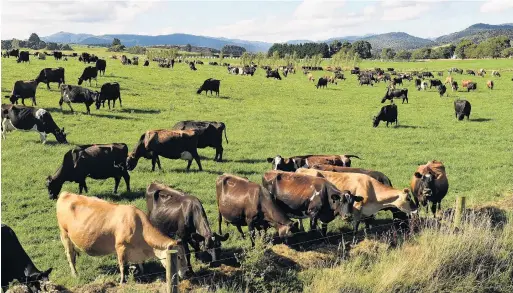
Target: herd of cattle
318 187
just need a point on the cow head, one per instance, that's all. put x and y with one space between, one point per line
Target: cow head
426 185
279 163
212 245
54 187
131 161
80 81
288 230
405 203
34 279
375 121
60 135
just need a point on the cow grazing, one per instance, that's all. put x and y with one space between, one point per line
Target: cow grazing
471 86
496 73
464 83
97 161
424 85
109 92
192 66
434 82
390 69
365 80
13 53
210 85
57 55
101 65
146 63
429 184
124 60
17 265
427 74
23 90
171 144
173 212
210 134
273 74
382 178
244 203
471 72
442 89
462 108
41 57
489 84
322 82
397 80
98 228
387 113
454 86
49 75
302 196
27 119
398 93
24 57
77 94
418 83
84 57
293 163
89 73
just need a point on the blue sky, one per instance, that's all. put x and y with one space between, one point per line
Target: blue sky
269 21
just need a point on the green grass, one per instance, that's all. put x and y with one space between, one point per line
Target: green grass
264 117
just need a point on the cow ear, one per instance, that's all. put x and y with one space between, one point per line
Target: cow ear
418 175
270 160
46 273
335 197
156 195
406 190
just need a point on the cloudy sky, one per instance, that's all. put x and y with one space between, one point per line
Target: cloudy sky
270 21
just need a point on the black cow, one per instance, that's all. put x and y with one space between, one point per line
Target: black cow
192 66
90 72
390 69
387 113
471 72
273 74
29 118
355 71
397 80
210 134
146 63
398 93
13 53
17 265
57 55
454 86
24 57
84 57
322 82
210 85
109 92
471 86
442 89
23 90
97 161
48 75
434 82
175 213
77 94
101 65
365 80
462 108
417 83
427 74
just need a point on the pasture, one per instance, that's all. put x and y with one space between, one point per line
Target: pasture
264 117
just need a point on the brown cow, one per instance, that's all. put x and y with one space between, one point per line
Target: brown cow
171 144
293 163
382 178
464 83
301 196
429 183
448 80
245 203
99 228
489 84
311 77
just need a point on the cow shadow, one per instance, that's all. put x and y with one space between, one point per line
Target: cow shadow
247 173
246 161
139 111
122 196
481 120
408 126
110 116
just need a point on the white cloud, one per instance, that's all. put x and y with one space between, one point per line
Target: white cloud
399 10
496 6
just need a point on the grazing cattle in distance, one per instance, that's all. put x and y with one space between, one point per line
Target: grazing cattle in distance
440 73
429 184
124 60
339 75
293 163
135 60
448 80
382 178
489 84
424 85
390 69
241 202
109 92
434 82
397 80
84 57
210 134
171 144
174 212
273 74
454 86
99 228
398 93
89 73
322 82
471 72
97 161
460 71
48 75
146 63
418 82
13 53
355 71
23 90
464 83
442 89
496 73
101 65
24 57
365 80
77 94
192 66
29 118
482 72
462 108
427 74
302 196
57 55
211 85
17 265
387 113
471 86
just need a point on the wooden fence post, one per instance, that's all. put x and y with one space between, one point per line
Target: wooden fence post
460 208
172 271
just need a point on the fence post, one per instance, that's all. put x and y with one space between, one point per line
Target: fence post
172 271
460 208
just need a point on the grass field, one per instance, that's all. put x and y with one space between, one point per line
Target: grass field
264 118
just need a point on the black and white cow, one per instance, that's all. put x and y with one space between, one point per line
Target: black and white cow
48 75
30 119
23 90
90 72
210 85
77 94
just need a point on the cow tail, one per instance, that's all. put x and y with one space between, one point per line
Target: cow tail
225 137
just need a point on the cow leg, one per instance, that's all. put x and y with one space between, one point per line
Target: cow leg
187 252
48 85
313 223
301 226
113 104
356 223
120 251
158 163
239 228
433 209
69 104
251 229
88 110
197 159
23 101
42 135
126 176
120 105
219 222
71 255
324 229
108 104
34 101
155 160
116 184
219 153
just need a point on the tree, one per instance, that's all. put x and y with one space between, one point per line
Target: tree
116 42
462 47
15 44
221 56
362 49
52 46
245 58
276 58
387 54
403 55
34 39
294 58
67 47
507 53
346 46
259 58
423 53
188 48
233 50
6 44
335 46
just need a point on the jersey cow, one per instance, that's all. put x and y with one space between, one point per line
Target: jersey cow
429 184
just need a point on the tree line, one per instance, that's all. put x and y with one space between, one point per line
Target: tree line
34 43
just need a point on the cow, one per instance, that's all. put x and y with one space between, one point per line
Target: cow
13 53
135 60
471 86
382 178
293 163
418 83
273 74
454 86
175 213
397 80
340 76
125 60
434 82
57 55
77 94
302 196
424 85
429 184
89 73
462 108
171 144
84 57
24 57
375 196
29 118
442 89
496 73
449 80
398 93
210 134
322 82
23 90
98 228
390 69
440 73
471 72
489 84
17 265
146 63
387 113
311 77
109 92
460 71
97 161
49 75
427 74
365 80
241 202
192 66
482 72
210 85
355 71
101 65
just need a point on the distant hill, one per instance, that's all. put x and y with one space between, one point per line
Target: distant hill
477 33
397 41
